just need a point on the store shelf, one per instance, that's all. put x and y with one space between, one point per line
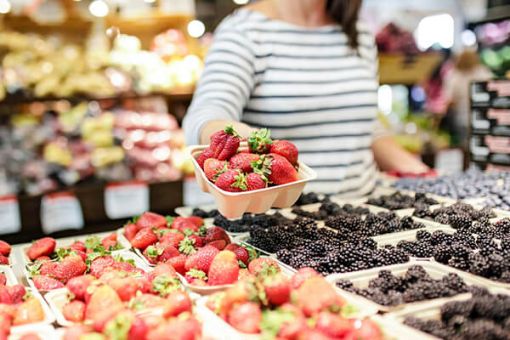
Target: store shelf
407 69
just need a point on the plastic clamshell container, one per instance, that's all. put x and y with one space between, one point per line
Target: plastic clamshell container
9 275
65 242
235 204
125 255
49 318
57 299
361 279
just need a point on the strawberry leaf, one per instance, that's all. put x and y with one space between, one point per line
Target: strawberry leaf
197 274
33 268
229 129
202 231
119 258
92 242
169 220
240 182
188 232
260 140
252 252
154 252
165 285
62 253
272 322
118 328
134 219
187 246
241 264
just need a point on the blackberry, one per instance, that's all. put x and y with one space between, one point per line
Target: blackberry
440 237
308 198
433 327
443 253
423 235
414 274
460 221
461 308
458 262
494 307
454 282
205 214
442 218
483 329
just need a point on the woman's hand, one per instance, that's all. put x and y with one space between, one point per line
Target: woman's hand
392 157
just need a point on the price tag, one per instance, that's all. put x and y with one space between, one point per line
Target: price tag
60 211
126 199
9 215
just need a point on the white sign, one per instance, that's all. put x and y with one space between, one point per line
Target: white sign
60 211
9 215
126 199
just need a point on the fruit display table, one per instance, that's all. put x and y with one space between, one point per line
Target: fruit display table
393 265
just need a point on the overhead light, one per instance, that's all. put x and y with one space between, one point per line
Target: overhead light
99 8
150 1
435 29
468 38
5 6
196 28
241 2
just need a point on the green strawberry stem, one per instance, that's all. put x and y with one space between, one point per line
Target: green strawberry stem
260 140
229 129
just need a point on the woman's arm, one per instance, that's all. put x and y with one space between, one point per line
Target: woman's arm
224 87
391 156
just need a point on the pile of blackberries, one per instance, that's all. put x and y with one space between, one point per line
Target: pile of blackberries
459 215
398 201
205 214
484 316
309 198
250 221
493 186
353 227
481 254
415 285
328 208
329 258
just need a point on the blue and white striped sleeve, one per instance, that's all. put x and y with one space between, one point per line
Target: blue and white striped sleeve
226 84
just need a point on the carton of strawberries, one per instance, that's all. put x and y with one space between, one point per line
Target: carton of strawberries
250 177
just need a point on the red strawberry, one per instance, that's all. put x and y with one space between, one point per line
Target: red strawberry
110 241
5 248
45 283
74 311
78 285
41 247
5 325
232 181
196 277
277 288
224 269
100 264
213 168
138 329
260 141
197 221
217 237
47 268
242 253
286 149
333 325
225 143
29 336
316 295
5 297
295 322
161 269
17 292
30 311
206 154
202 259
243 161
152 253
69 267
144 238
103 304
78 246
244 274
126 266
179 263
301 276
130 231
189 329
126 287
172 238
368 330
277 169
3 279
43 258
182 223
178 302
75 332
263 266
169 251
4 260
255 181
246 317
151 220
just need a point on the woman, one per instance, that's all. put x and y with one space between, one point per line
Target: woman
306 70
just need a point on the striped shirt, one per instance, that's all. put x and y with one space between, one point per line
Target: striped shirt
305 84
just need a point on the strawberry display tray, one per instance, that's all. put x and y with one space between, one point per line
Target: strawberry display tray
234 205
361 279
49 318
9 275
66 242
125 256
42 331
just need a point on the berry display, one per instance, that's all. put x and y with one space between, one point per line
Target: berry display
415 285
493 186
250 222
399 200
484 316
483 254
309 198
459 215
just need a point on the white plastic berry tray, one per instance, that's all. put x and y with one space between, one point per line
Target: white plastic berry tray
65 242
361 279
125 255
48 315
9 275
234 205
42 331
428 312
408 235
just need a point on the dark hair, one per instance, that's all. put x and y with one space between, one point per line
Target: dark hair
345 13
